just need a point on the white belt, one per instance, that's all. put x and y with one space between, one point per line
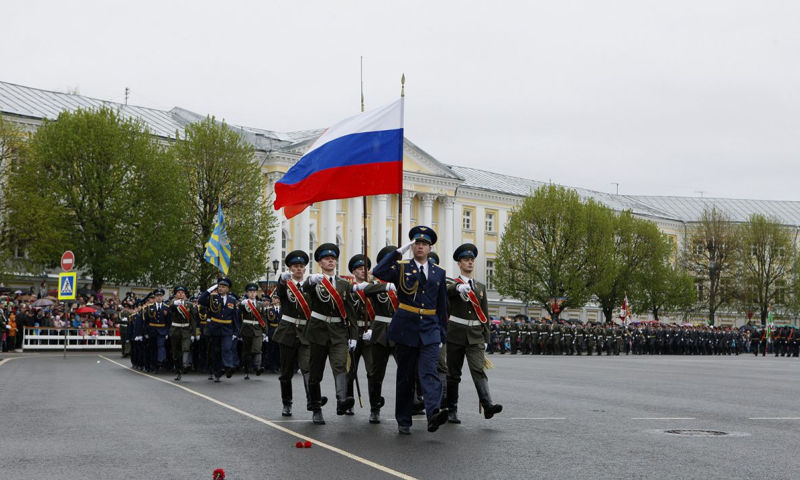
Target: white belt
326 319
296 321
381 318
251 322
180 324
361 323
463 321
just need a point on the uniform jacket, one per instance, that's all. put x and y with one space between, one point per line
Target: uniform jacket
376 292
177 316
157 319
227 314
408 328
321 332
250 329
458 305
288 333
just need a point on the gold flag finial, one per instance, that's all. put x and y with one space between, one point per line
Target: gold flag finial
403 85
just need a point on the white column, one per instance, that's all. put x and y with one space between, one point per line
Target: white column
406 211
302 224
502 218
353 240
448 232
378 224
427 209
328 233
480 227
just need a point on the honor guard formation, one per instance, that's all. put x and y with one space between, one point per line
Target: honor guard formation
409 310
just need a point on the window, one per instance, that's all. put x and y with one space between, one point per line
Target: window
467 220
490 222
490 274
699 247
284 242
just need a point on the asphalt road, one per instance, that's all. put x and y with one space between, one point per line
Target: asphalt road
564 417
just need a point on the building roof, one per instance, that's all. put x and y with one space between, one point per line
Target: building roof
44 104
683 209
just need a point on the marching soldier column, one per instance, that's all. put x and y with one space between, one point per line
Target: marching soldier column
294 313
183 322
253 331
377 346
330 330
467 334
223 324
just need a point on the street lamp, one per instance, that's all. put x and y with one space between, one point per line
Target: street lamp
275 264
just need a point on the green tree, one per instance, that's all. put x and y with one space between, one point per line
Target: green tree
219 166
633 240
542 255
710 256
767 254
663 286
13 146
97 184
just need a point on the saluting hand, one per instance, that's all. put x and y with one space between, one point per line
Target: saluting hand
406 247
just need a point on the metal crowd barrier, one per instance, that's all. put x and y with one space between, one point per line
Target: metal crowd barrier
52 338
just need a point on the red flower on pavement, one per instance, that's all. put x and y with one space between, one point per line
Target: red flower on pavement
219 474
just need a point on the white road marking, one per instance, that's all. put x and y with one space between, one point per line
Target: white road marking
538 418
272 424
774 418
663 418
8 360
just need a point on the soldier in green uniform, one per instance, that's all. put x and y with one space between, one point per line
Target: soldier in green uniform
580 340
362 316
294 311
377 348
467 334
254 314
591 339
534 337
513 333
183 321
569 338
330 330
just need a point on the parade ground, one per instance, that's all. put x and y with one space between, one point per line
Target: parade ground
91 416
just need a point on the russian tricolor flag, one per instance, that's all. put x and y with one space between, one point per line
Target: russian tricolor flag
359 156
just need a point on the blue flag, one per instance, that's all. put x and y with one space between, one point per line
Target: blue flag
218 248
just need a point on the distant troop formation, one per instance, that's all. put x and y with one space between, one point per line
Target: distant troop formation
409 311
563 338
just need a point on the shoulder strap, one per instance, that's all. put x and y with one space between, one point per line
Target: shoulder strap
335 295
300 298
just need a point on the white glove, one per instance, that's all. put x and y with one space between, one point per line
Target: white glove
277 308
192 338
285 276
264 337
391 287
406 247
351 344
137 339
315 278
367 335
8 327
361 286
233 338
463 288
166 337
212 288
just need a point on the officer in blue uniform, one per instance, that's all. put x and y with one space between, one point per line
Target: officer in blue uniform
138 331
418 327
223 323
157 318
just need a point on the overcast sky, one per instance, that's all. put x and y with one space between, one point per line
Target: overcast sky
665 98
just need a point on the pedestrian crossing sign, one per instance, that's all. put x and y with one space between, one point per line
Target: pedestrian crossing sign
66 285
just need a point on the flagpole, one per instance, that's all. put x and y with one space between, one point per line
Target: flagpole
400 195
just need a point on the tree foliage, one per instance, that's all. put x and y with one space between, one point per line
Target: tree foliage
100 185
13 146
767 253
542 256
710 255
219 168
663 285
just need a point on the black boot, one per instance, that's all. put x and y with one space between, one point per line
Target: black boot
286 398
322 400
489 409
314 404
375 401
452 402
343 401
316 417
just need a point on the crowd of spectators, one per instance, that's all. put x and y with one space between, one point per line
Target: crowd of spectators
90 314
